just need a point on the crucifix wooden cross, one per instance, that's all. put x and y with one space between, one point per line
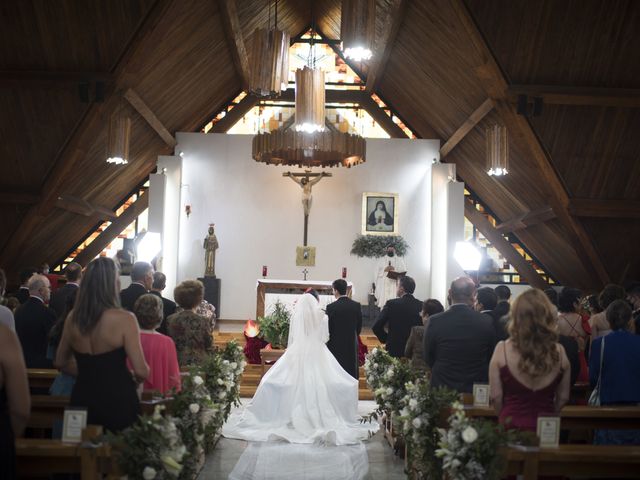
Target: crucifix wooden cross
306 180
305 272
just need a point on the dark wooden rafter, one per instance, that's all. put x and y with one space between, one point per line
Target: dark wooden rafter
478 114
381 117
590 207
18 198
235 114
113 230
233 31
588 96
527 220
85 132
524 268
145 112
82 207
383 49
495 84
50 78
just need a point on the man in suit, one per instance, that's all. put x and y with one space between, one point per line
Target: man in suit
64 297
23 292
501 311
345 324
141 283
459 343
33 322
399 316
168 307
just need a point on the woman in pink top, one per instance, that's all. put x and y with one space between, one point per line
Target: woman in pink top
159 350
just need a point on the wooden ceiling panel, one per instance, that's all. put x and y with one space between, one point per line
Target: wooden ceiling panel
576 43
293 16
68 35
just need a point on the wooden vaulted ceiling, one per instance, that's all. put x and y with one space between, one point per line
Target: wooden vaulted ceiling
448 63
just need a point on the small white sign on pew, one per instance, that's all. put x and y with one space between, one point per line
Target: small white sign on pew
75 420
548 431
480 395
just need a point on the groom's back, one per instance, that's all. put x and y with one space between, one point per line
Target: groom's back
345 323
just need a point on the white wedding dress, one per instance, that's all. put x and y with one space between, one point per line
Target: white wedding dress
306 396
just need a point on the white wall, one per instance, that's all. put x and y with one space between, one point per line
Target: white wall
259 218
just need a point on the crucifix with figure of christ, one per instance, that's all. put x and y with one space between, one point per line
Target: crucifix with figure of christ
306 180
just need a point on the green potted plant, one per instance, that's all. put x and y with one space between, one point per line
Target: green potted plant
274 328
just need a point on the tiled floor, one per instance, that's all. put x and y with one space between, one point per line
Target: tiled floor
373 462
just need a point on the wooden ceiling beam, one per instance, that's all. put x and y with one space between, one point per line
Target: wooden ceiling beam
233 31
113 230
84 208
495 84
381 117
18 198
44 78
591 207
526 220
524 268
389 33
475 118
235 114
145 112
586 96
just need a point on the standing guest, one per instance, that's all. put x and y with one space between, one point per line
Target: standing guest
23 292
398 316
598 321
345 324
192 333
159 350
413 350
500 313
15 401
570 324
12 303
552 295
633 297
459 342
60 298
100 336
208 311
43 269
486 300
620 376
529 374
168 307
141 283
6 315
34 321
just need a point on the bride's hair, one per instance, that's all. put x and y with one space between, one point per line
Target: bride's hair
312 292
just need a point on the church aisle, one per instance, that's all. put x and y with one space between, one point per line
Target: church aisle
377 455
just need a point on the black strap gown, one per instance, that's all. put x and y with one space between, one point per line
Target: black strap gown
7 445
105 387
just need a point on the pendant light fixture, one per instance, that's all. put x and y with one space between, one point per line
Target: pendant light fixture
497 150
119 136
310 100
357 28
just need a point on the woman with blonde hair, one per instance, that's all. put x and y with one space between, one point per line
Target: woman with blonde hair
529 374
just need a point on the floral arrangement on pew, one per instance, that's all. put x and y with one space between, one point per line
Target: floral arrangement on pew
421 415
173 445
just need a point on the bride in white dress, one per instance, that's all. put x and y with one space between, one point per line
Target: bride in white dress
306 397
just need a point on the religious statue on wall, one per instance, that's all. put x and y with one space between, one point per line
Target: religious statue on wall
210 246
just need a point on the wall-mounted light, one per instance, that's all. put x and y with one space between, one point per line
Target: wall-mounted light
357 28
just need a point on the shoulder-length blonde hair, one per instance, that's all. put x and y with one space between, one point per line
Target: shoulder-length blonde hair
533 328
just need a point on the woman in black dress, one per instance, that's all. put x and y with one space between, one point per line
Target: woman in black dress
98 337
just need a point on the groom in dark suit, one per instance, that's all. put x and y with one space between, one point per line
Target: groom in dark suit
345 324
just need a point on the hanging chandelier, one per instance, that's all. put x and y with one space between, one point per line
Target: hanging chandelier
119 136
310 100
269 61
497 150
357 28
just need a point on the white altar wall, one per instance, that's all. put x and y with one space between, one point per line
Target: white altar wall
259 219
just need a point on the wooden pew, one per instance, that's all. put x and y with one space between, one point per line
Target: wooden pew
41 378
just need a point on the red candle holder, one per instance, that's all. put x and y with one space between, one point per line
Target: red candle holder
344 272
264 270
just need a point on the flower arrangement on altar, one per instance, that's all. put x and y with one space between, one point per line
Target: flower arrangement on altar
274 328
375 246
172 445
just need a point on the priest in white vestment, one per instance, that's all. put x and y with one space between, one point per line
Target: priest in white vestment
386 288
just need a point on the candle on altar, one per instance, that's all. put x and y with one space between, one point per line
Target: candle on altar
264 270
344 272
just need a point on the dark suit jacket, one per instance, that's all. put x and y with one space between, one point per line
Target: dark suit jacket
22 295
129 295
345 324
168 307
399 314
33 322
458 345
60 297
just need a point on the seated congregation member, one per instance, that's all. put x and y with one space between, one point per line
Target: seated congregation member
15 401
23 292
529 374
60 298
599 323
100 336
570 323
458 343
397 317
620 376
6 315
192 333
34 321
168 307
141 283
413 350
159 350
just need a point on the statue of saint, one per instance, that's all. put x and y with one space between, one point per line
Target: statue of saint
210 246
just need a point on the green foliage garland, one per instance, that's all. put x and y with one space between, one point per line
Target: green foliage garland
375 246
274 328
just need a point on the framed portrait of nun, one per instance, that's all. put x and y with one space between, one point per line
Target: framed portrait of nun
379 213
